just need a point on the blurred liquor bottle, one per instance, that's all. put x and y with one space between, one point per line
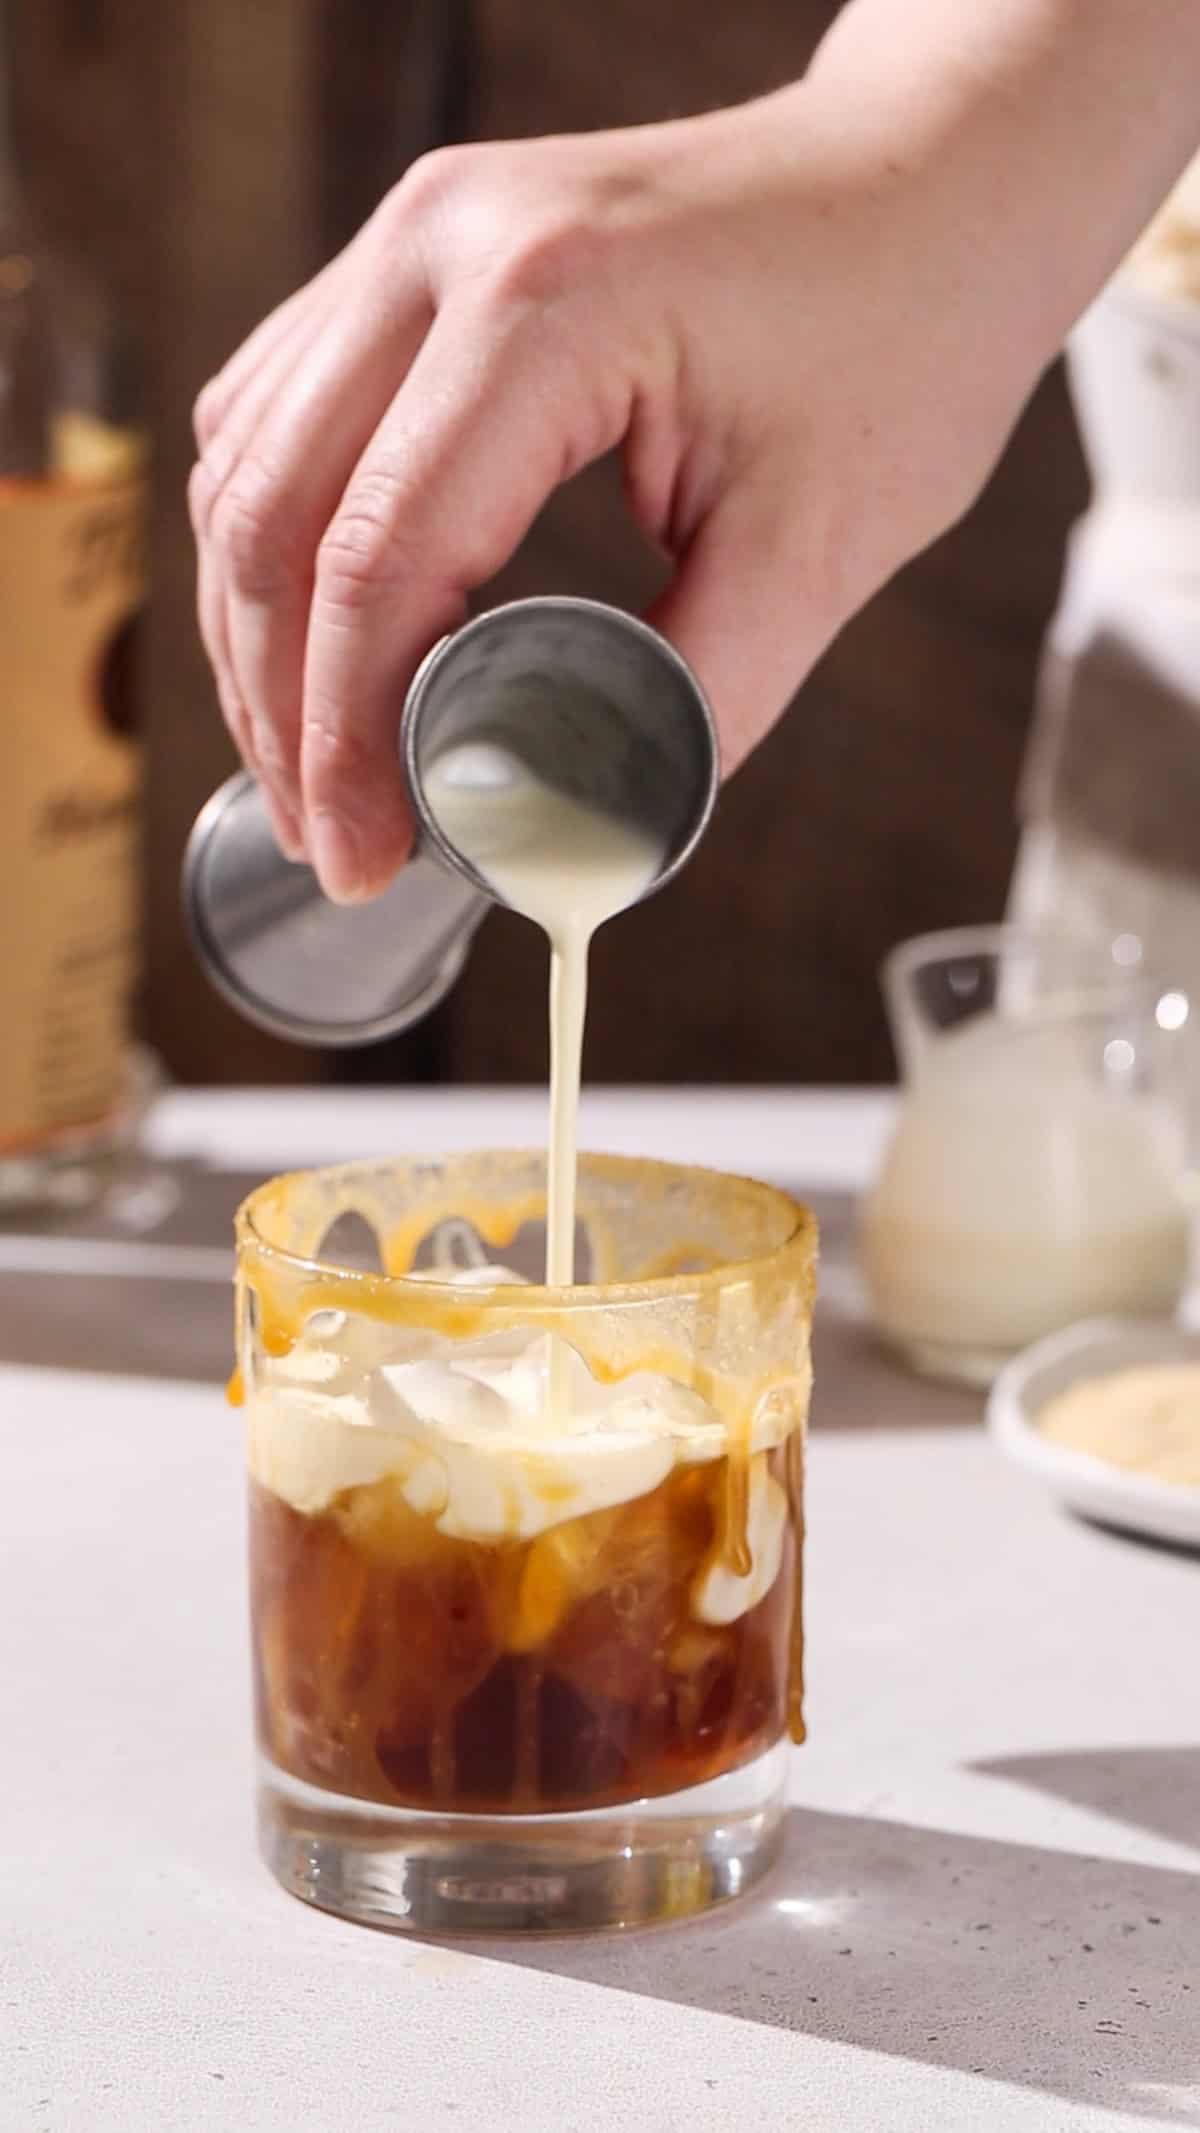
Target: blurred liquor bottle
72 574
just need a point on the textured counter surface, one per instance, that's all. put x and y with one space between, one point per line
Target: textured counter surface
988 1912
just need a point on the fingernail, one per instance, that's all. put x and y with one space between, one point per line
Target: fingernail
337 859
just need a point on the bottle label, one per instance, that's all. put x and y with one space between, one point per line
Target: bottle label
72 573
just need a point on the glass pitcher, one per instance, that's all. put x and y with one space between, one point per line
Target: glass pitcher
1036 1174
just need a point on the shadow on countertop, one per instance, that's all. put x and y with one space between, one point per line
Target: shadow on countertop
139 1286
1075 1976
1156 1789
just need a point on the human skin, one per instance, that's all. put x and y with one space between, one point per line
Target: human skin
807 325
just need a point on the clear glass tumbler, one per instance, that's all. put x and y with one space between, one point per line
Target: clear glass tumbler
525 1563
1037 1173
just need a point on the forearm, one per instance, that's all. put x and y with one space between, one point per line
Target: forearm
1039 134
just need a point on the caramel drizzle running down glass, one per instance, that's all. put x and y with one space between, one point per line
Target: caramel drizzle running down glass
550 1657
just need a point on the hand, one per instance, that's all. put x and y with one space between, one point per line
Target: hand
792 319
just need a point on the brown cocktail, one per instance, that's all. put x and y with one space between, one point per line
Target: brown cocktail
524 1563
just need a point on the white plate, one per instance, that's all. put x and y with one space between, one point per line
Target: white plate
1168 1510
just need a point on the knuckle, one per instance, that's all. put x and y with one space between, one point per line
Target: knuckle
337 757
360 552
431 183
548 261
251 526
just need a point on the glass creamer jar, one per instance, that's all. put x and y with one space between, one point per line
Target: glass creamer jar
525 1562
1036 1174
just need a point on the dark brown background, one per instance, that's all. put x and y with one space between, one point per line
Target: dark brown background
207 154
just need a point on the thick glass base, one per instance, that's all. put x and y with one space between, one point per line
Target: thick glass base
443 1874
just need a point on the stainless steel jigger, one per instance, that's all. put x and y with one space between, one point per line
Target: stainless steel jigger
594 701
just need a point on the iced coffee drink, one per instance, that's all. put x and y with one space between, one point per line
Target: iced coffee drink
524 1562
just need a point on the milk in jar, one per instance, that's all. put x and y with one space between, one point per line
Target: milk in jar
1034 1178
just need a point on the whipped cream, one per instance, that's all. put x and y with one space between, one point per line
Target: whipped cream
720 1595
467 1432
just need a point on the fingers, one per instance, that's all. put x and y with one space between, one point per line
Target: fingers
243 408
366 463
220 393
285 823
262 497
277 505
492 416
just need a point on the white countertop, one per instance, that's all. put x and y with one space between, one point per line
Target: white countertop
988 1914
